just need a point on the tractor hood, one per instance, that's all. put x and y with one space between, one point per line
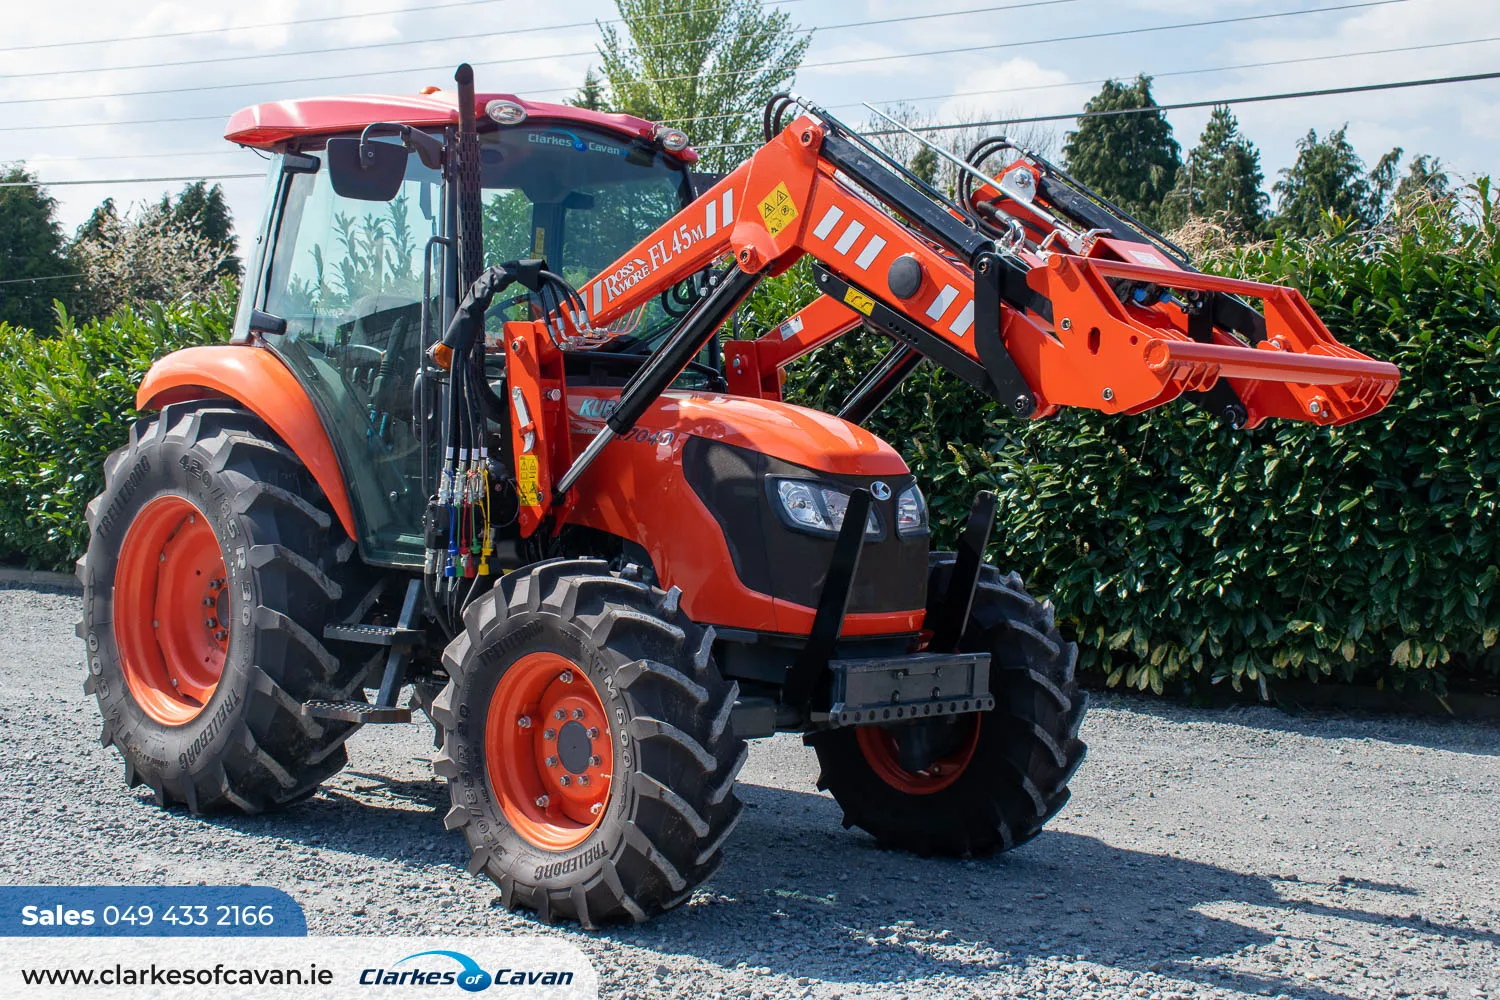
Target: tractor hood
794 434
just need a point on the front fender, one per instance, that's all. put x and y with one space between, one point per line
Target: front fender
255 378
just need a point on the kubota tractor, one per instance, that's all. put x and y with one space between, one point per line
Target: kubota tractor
476 432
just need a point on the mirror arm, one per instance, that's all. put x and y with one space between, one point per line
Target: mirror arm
430 150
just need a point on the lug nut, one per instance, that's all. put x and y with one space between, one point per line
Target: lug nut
565 781
541 801
559 715
596 808
549 734
566 677
221 635
209 602
595 760
551 761
211 623
593 732
524 722
583 779
577 713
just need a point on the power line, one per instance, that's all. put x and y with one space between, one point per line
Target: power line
1255 99
249 27
343 76
131 180
221 150
224 151
1031 42
1153 76
469 36
128 121
568 55
45 277
449 38
1258 98
346 17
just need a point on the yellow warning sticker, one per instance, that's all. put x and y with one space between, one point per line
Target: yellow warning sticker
526 481
861 302
777 211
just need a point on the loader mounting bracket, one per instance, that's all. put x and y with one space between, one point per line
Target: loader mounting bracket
891 689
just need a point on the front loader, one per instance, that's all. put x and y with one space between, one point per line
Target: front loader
478 434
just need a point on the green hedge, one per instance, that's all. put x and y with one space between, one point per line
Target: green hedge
66 400
1181 553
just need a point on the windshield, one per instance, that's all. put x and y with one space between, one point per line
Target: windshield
580 198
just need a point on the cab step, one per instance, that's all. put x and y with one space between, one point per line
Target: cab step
361 712
374 635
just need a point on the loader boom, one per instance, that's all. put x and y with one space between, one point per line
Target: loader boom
1042 318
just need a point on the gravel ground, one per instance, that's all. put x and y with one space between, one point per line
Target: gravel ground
1216 854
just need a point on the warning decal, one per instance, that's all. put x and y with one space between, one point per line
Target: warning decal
777 211
861 302
526 481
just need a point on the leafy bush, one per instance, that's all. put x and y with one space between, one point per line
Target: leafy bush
1181 553
66 400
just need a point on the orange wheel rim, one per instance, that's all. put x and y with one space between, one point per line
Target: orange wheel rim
171 610
548 751
883 756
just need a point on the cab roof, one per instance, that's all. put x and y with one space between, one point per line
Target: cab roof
266 126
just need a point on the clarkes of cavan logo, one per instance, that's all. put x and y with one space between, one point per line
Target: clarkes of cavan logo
469 977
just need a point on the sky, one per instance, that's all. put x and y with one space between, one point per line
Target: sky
123 106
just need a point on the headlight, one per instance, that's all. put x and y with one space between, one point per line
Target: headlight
911 512
818 508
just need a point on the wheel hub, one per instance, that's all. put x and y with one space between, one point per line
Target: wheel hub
171 610
548 752
574 748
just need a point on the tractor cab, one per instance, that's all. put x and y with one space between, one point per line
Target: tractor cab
365 279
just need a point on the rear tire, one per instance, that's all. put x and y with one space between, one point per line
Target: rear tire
220 729
569 636
1007 770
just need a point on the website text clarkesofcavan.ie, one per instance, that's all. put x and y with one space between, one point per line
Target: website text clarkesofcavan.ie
157 975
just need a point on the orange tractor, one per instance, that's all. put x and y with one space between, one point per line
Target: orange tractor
476 432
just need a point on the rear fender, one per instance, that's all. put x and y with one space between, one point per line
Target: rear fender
256 379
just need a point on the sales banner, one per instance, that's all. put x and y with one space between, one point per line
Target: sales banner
262 951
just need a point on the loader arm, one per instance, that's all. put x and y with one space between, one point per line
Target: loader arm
1032 292
1037 325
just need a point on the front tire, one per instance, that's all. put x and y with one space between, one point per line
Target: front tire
209 575
1000 775
620 807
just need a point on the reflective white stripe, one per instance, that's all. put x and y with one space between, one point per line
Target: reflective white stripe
830 220
942 302
850 235
728 214
964 319
711 223
870 252
598 297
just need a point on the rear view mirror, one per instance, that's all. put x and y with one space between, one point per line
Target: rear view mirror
366 171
